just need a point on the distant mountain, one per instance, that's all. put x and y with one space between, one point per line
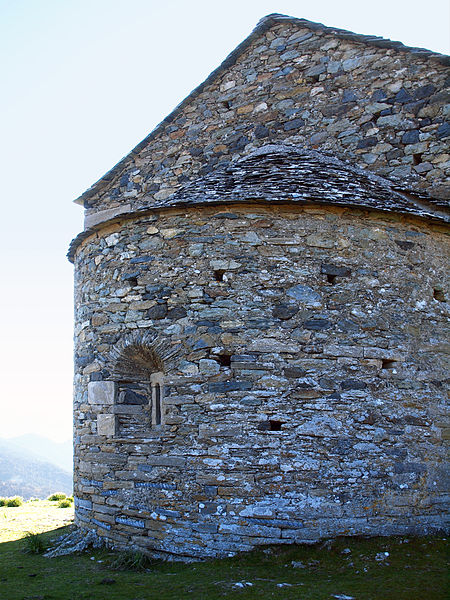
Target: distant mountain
59 454
22 474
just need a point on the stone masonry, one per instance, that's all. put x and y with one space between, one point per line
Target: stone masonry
261 305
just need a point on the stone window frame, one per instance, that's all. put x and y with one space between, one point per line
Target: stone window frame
108 395
158 356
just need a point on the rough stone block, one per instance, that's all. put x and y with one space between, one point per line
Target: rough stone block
101 524
102 392
106 425
166 461
80 503
131 522
205 431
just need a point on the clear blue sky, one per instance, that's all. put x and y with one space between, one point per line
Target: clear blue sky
83 81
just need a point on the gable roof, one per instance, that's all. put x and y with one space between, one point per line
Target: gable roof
263 25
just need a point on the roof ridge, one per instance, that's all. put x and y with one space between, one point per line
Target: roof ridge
262 26
374 40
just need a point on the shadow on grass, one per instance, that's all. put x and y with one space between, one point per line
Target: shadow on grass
363 569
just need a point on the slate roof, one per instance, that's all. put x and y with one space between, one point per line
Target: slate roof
283 174
264 24
279 173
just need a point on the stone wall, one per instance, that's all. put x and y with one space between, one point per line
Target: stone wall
303 351
382 108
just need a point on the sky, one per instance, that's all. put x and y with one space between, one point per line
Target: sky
82 82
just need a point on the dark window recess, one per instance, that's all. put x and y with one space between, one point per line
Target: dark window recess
388 364
224 360
417 159
275 425
218 275
132 281
270 425
132 393
333 271
439 295
157 404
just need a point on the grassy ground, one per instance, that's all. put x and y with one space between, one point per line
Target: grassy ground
413 569
36 517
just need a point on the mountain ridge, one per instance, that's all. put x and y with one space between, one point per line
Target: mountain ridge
23 473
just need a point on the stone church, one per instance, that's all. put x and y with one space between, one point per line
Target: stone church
261 300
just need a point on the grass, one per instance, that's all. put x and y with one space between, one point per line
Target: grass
130 560
34 543
413 569
33 516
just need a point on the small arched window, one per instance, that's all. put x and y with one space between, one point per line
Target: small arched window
140 379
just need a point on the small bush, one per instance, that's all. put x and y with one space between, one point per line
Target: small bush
130 560
64 503
34 543
70 498
14 501
2 501
57 496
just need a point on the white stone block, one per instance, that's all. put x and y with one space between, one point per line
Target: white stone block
102 392
106 425
105 215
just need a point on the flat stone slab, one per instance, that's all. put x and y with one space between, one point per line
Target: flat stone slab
102 392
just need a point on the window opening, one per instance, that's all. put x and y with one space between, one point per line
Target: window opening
224 360
438 295
388 364
270 425
157 400
140 398
157 404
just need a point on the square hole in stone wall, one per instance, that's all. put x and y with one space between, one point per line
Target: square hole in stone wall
439 295
270 425
275 425
224 359
388 364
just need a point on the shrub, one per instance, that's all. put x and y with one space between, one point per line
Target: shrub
130 560
14 501
34 543
70 498
66 503
57 496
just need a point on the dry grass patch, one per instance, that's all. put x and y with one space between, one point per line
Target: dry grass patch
34 516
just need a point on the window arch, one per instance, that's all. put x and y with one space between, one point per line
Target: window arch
139 372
